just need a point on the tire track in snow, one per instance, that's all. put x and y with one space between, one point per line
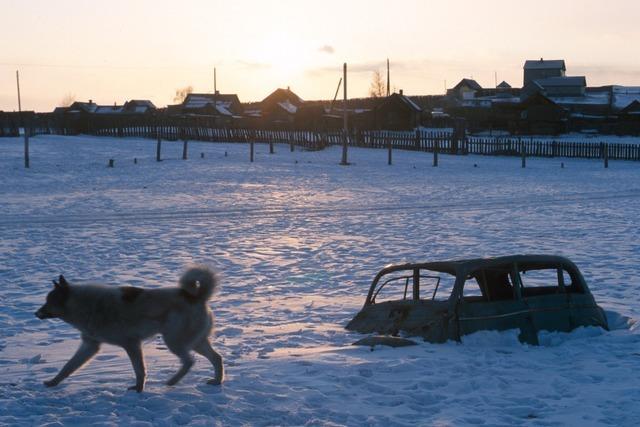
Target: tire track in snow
71 220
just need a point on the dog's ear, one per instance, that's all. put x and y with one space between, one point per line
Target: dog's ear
61 283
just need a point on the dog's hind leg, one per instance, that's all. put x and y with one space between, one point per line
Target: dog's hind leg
134 350
204 348
88 348
187 363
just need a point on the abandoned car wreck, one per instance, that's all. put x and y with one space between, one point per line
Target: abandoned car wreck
443 301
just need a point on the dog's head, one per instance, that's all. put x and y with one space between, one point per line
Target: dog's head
56 300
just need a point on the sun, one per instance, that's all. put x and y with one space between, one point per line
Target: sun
285 56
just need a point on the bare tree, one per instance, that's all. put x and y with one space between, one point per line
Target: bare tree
67 100
181 94
378 88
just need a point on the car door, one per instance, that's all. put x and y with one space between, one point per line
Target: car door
491 301
545 297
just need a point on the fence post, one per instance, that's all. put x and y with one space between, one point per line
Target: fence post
390 149
251 151
184 149
158 146
522 154
271 148
26 147
417 142
436 143
606 155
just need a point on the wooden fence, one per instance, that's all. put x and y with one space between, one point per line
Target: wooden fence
205 129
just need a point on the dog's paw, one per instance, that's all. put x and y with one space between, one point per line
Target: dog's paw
137 388
51 383
215 381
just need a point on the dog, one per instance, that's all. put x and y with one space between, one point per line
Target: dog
127 315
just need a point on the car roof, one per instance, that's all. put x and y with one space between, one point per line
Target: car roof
467 266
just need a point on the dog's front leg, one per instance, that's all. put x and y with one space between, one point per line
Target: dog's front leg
134 350
88 348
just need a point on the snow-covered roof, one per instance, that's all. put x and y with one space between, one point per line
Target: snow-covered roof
470 83
624 95
108 109
545 64
589 98
201 100
409 102
288 106
88 107
562 81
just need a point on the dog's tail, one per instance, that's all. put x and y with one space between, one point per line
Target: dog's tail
199 281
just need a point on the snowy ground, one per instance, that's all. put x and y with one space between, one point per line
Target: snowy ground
298 239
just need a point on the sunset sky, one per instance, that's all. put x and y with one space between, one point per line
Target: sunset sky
118 50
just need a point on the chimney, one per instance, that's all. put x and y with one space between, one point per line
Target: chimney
217 92
91 101
400 92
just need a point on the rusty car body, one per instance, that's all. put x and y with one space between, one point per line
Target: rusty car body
443 301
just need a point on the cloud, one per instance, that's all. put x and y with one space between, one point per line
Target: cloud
327 49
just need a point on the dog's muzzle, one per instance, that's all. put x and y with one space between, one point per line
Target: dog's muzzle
43 314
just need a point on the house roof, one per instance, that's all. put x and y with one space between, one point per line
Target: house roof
504 85
409 103
87 107
108 109
580 81
280 95
470 83
545 64
633 108
624 95
288 106
201 100
139 103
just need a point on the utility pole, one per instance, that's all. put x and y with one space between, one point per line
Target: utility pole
388 79
215 83
24 124
345 131
18 83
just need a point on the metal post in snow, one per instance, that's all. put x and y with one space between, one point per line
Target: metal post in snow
435 152
523 154
158 145
26 147
184 149
606 156
344 161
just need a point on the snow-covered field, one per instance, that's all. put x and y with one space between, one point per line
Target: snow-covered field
298 239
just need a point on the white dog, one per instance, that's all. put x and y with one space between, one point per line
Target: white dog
126 315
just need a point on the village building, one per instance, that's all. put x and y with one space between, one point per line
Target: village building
397 112
466 89
138 106
211 104
278 109
542 69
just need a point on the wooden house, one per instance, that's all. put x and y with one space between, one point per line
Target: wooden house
542 69
540 115
464 90
139 106
278 110
397 112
